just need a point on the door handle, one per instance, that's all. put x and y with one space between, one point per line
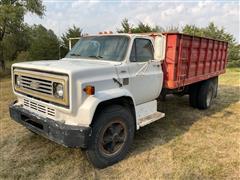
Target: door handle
123 71
156 65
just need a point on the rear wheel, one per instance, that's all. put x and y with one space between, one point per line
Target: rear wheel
206 94
215 82
193 95
112 135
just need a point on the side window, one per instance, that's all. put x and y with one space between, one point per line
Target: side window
142 50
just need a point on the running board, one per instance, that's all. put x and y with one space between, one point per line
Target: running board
150 118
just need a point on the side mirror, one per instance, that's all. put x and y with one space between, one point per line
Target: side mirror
159 47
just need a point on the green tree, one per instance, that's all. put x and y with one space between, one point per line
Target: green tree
16 42
71 33
212 31
140 28
12 16
172 29
158 29
192 30
44 44
126 27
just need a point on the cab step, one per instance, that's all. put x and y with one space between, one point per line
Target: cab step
150 118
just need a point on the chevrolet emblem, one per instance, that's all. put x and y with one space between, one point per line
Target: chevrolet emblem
34 85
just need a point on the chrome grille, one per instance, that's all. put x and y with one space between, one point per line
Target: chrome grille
36 84
39 108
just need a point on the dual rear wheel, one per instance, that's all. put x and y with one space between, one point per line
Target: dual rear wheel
201 94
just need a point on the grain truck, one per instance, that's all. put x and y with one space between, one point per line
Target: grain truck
108 85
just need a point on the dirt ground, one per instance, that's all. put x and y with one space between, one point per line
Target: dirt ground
187 144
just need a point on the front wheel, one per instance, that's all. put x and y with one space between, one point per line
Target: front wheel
112 134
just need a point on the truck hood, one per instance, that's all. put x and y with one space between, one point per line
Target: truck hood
68 66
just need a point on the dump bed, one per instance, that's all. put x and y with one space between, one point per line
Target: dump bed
189 59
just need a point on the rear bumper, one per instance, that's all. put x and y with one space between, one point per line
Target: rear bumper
67 135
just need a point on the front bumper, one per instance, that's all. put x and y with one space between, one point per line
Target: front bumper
67 135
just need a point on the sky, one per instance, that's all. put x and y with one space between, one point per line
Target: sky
95 16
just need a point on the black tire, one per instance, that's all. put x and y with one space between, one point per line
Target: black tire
215 82
106 128
193 95
206 94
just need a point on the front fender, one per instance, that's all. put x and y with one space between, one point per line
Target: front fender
87 109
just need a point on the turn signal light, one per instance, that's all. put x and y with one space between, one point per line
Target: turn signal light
89 90
105 32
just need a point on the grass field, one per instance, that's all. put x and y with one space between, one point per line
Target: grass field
187 144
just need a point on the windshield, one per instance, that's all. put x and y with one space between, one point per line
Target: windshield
111 48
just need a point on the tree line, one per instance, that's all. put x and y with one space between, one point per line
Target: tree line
22 42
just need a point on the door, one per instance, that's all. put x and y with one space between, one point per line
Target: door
146 77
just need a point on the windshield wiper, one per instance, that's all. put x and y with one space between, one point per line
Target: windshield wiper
98 57
74 54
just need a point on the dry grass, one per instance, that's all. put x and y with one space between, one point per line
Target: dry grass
187 144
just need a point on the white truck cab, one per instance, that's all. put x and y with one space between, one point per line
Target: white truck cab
96 97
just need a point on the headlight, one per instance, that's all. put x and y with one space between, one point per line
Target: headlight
18 80
58 90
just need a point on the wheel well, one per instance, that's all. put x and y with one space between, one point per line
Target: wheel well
124 101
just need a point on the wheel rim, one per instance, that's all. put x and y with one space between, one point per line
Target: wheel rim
113 137
209 96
